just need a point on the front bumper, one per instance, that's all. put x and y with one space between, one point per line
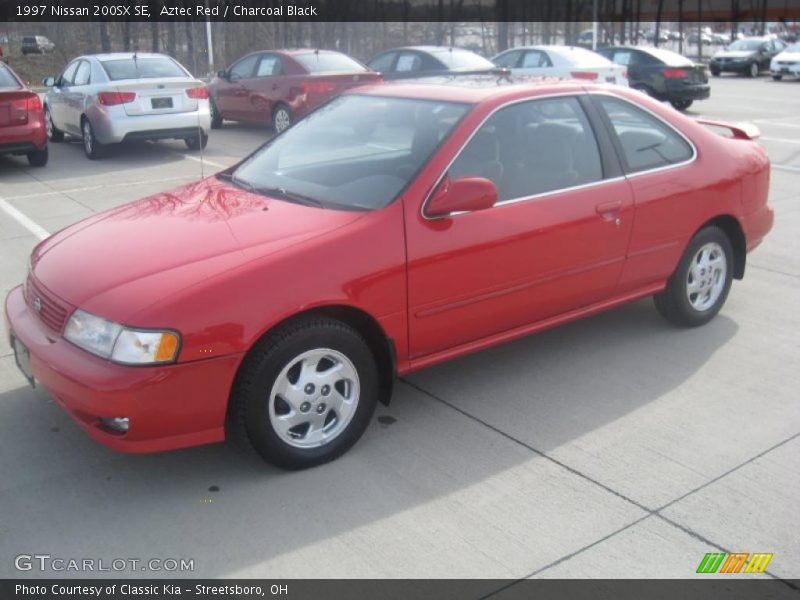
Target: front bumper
792 70
169 407
757 225
730 67
111 124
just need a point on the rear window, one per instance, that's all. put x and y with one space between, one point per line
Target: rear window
669 58
142 68
7 80
463 59
29 40
326 62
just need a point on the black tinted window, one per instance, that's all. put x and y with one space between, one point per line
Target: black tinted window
647 142
508 60
532 148
382 63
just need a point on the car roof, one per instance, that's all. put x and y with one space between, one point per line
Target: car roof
430 49
475 89
120 55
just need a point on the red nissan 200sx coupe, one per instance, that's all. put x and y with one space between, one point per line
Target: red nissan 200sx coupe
393 228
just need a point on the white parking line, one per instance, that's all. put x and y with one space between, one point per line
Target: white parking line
36 229
781 140
786 168
205 161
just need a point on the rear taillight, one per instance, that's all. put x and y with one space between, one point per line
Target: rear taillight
198 93
114 98
34 104
590 75
675 73
318 87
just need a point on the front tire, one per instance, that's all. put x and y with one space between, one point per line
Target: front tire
715 72
91 147
698 288
216 116
54 134
282 118
305 394
777 77
38 158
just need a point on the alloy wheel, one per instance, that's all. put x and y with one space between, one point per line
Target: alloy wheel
706 276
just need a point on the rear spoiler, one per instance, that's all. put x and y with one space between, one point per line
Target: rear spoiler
740 131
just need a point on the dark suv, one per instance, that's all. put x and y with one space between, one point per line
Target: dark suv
662 74
37 44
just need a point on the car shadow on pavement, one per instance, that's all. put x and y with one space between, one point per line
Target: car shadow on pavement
64 495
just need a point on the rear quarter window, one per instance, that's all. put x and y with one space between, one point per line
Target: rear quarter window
645 141
7 80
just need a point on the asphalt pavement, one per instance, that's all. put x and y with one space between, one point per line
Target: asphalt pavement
616 446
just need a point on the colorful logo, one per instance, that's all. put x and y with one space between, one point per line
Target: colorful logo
722 562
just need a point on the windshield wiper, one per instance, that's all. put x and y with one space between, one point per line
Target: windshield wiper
287 195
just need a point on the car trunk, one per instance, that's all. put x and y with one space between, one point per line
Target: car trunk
156 97
613 74
685 75
14 107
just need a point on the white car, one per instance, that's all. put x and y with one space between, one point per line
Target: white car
562 61
787 63
110 98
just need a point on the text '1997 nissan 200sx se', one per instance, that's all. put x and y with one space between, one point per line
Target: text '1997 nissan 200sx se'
392 228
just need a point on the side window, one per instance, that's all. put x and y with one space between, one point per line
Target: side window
68 76
382 63
533 148
269 65
646 142
82 74
244 68
408 62
508 60
624 57
535 58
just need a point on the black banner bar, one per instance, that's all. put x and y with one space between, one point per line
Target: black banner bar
712 588
399 10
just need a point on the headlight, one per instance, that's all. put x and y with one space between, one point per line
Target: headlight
111 340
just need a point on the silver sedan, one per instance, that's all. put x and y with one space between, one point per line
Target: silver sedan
110 98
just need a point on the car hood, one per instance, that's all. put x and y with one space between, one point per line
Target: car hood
184 235
787 56
734 54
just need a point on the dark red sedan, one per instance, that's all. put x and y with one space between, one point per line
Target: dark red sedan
22 127
395 228
277 87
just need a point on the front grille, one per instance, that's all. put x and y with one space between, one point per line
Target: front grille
787 63
50 310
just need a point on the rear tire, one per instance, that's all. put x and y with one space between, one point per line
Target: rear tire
216 116
38 158
681 104
752 70
197 142
91 147
699 286
715 72
53 133
329 378
281 118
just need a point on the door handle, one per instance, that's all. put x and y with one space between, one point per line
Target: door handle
609 211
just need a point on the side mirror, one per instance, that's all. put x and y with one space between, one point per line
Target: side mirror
49 81
222 74
465 194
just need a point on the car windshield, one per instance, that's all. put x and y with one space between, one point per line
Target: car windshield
357 152
746 45
7 80
463 59
142 68
324 62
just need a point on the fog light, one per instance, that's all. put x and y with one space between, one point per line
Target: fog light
119 424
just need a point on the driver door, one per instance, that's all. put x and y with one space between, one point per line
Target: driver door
56 99
233 97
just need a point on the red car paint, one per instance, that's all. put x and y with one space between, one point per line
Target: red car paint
22 127
223 267
253 98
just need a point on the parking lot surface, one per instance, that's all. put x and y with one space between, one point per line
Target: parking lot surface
616 446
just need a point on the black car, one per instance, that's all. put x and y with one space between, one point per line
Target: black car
662 74
747 56
428 61
36 44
